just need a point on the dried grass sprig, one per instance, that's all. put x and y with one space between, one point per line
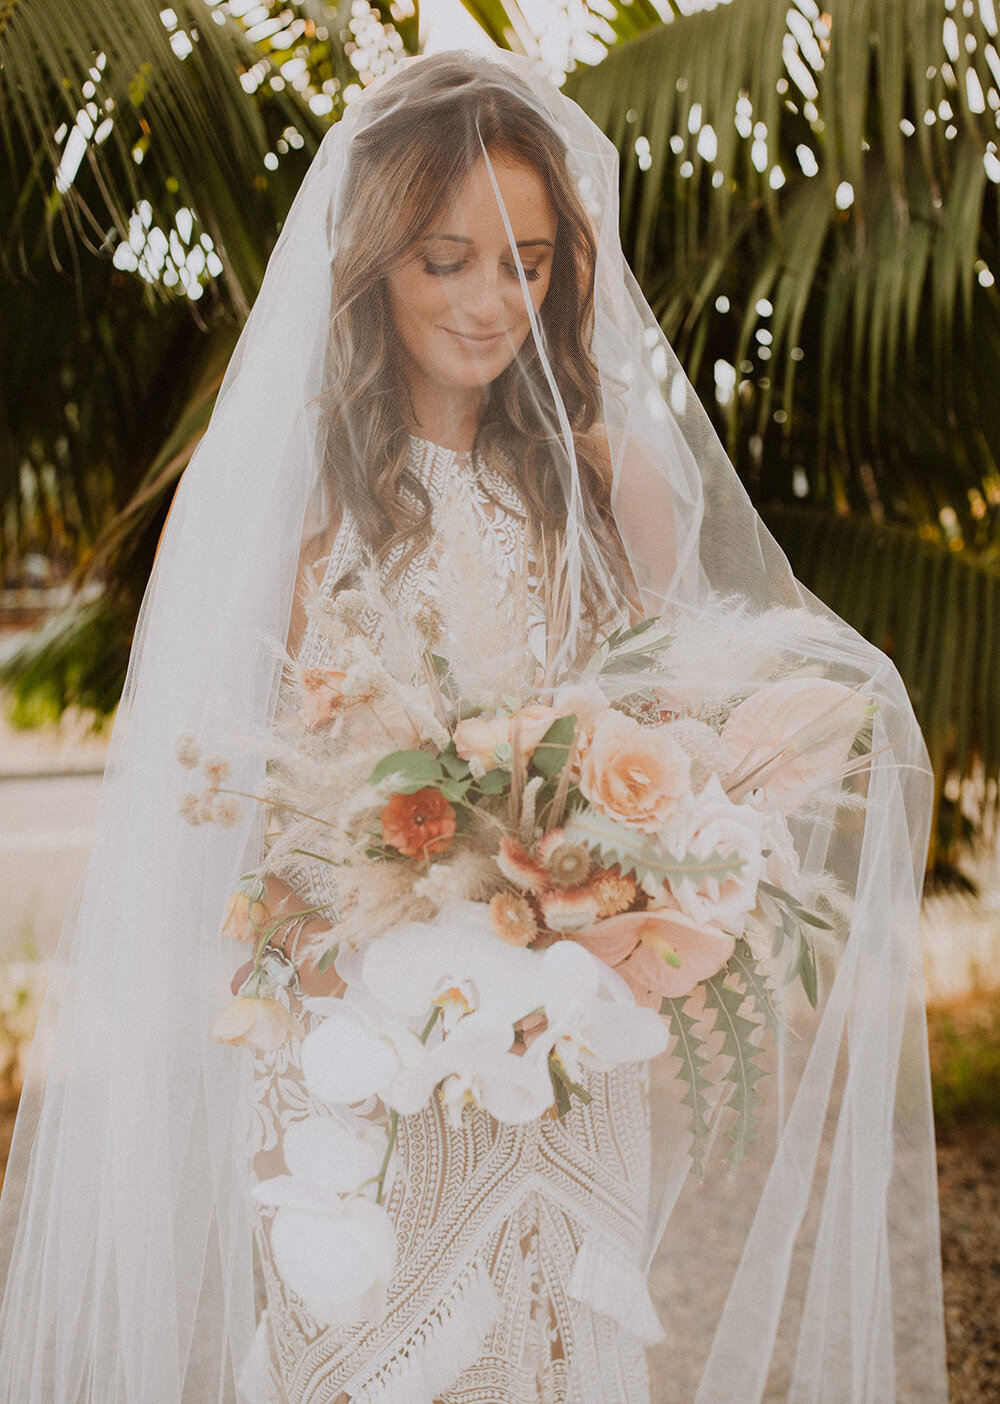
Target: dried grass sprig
558 806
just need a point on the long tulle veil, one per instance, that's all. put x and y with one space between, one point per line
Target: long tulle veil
808 1273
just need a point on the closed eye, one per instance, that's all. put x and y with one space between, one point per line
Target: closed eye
440 269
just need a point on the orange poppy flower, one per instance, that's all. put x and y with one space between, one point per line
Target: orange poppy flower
419 824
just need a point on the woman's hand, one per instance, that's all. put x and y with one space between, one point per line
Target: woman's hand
282 900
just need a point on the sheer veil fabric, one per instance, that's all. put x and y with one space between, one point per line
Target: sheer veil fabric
810 1272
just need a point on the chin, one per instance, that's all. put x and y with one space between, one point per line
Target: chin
472 376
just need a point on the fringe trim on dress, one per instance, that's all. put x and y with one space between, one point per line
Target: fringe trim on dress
437 1351
607 1280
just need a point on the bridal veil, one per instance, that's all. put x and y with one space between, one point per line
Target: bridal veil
810 1271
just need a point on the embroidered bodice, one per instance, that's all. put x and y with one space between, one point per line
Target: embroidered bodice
520 1277
482 493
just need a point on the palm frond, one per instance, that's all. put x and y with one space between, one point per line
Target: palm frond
151 110
107 105
812 201
581 35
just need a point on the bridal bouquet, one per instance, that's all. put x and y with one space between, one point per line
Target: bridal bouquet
526 886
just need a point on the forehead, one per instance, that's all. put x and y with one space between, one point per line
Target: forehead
475 211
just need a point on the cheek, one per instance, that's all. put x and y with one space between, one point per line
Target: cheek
415 304
518 317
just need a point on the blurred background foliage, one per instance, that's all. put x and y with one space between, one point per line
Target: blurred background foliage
808 199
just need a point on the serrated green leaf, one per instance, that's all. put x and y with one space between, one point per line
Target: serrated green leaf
744 1071
692 1072
747 967
635 852
409 770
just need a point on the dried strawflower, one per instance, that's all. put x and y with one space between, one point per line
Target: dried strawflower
567 864
615 891
519 867
513 918
568 909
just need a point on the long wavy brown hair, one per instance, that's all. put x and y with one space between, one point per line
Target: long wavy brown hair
423 139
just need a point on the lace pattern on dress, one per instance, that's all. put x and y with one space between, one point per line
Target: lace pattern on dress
518 1278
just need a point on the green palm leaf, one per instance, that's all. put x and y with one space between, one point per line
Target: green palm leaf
596 26
165 118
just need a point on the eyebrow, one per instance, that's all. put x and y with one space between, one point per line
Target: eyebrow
461 239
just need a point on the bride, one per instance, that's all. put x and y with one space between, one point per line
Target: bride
448 404
449 358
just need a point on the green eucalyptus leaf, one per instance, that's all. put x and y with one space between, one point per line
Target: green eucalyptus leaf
453 763
253 886
327 958
552 751
454 790
494 782
409 770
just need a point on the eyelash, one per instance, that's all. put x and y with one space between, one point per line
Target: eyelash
439 270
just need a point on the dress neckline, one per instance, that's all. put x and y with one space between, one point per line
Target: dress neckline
416 440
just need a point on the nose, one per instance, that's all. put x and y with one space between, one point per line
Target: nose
484 301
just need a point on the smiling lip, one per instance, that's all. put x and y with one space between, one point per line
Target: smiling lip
477 340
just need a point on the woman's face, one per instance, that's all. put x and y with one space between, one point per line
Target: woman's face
456 301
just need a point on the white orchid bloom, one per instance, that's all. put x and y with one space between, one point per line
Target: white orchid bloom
474 1062
337 1253
513 1090
349 1056
593 1020
416 965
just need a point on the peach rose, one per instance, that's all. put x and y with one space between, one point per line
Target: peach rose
587 702
322 695
476 738
243 919
263 1024
660 954
635 774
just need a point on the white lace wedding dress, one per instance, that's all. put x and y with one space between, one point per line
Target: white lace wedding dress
519 1276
